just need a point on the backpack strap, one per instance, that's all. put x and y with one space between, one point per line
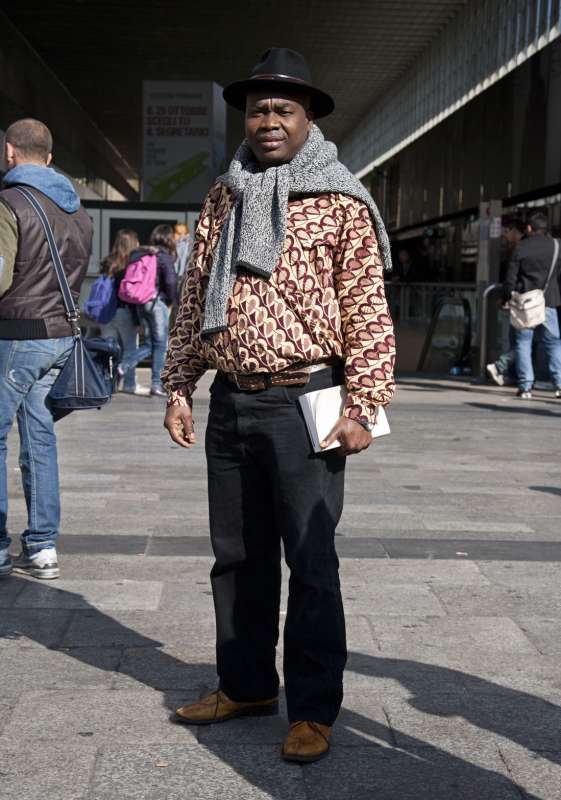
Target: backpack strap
72 313
553 263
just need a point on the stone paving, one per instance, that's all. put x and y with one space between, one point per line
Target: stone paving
451 565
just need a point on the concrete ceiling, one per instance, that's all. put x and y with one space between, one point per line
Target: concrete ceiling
102 49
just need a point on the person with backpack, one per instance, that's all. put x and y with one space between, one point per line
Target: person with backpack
150 284
36 334
116 318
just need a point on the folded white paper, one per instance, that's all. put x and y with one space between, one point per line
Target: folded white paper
323 408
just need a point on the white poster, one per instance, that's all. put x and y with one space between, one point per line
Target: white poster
184 126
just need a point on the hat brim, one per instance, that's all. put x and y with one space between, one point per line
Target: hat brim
321 104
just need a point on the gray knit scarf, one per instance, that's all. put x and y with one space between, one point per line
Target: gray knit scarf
254 233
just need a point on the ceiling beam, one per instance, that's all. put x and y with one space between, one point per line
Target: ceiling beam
28 87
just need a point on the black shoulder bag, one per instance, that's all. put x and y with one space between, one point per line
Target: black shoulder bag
80 384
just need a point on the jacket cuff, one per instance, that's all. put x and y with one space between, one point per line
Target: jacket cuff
179 397
359 410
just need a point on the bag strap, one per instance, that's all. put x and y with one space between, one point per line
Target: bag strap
553 263
72 313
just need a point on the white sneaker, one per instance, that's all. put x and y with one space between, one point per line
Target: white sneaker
558 392
42 565
495 375
524 394
5 563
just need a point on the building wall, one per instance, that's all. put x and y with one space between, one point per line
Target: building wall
505 142
485 41
29 88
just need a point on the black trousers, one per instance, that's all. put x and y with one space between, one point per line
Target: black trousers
266 486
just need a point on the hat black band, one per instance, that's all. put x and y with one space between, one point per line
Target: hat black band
277 77
278 67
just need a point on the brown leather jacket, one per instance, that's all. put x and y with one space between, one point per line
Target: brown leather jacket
32 308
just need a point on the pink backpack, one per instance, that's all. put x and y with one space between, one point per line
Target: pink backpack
139 281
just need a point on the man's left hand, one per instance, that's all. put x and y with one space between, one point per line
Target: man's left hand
351 434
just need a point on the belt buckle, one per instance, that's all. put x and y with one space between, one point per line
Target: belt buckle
246 384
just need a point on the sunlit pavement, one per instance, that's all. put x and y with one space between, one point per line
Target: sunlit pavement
450 552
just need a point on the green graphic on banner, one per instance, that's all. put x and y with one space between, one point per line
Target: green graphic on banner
184 140
166 185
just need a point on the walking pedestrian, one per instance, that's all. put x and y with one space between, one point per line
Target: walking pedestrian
284 295
154 315
125 325
529 269
503 370
35 334
184 245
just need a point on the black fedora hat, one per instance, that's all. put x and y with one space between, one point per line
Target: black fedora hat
280 68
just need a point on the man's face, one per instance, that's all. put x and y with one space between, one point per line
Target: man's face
179 231
276 128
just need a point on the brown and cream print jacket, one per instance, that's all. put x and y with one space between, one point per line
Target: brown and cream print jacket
325 298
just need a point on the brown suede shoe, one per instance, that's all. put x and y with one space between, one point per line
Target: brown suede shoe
216 707
306 741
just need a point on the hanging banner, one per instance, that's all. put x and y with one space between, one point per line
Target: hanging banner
184 125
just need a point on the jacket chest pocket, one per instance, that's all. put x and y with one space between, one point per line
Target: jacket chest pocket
310 256
314 240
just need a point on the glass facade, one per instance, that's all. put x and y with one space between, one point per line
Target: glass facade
505 144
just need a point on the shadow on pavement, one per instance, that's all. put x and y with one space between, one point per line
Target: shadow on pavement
546 489
428 385
533 411
370 758
532 722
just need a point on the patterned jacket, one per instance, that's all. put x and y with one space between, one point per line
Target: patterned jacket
325 298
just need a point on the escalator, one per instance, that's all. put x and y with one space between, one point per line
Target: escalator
434 326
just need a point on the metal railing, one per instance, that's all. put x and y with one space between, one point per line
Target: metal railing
484 325
465 349
434 323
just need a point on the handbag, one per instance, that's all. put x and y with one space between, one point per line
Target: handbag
527 309
80 384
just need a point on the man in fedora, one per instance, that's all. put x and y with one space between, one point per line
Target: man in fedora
284 295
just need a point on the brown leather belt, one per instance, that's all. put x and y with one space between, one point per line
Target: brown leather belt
257 381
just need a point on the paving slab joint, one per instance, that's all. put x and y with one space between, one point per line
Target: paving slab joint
519 789
393 737
89 795
372 630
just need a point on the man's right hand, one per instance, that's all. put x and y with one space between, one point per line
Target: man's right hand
179 424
